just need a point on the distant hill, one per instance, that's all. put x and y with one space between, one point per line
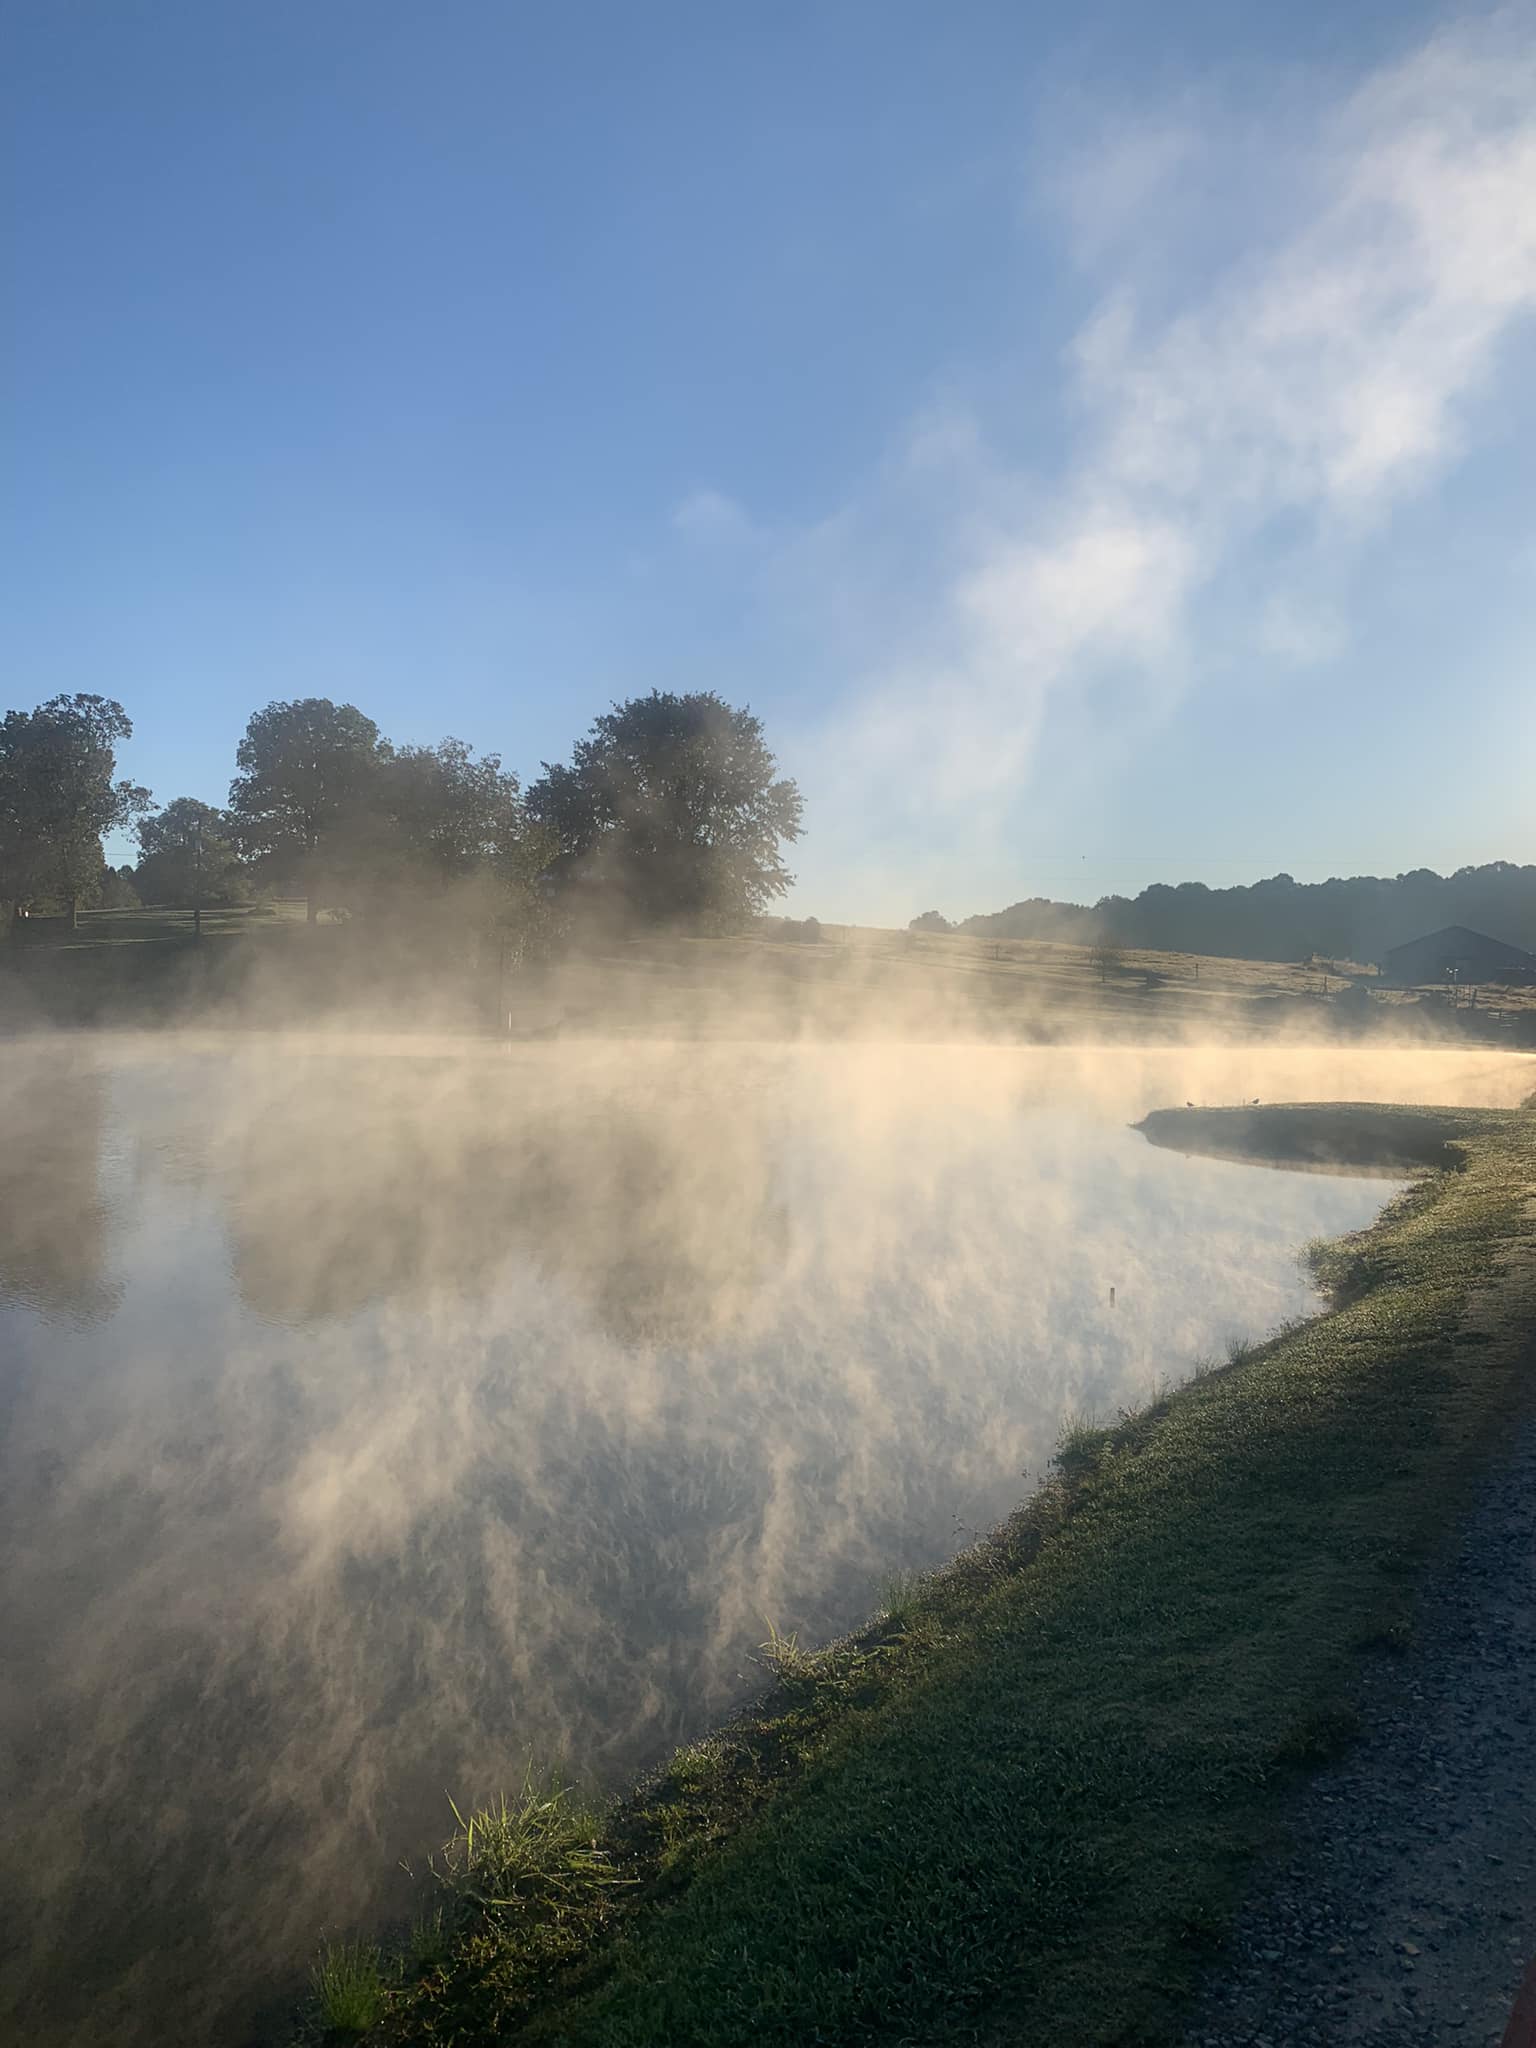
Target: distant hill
1280 919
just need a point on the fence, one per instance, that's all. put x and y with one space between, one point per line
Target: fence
151 923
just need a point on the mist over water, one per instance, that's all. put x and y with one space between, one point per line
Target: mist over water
374 1415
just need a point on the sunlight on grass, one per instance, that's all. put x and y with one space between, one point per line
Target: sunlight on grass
900 1594
537 1848
349 1986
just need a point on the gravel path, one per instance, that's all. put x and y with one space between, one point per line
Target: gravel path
1405 1912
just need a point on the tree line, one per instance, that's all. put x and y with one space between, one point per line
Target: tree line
671 809
1346 918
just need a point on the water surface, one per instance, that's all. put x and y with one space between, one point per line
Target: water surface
374 1416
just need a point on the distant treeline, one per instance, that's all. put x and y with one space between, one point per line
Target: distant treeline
1354 918
670 810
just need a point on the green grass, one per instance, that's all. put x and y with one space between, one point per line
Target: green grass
899 1595
349 1986
532 1856
1080 1443
429 1941
1019 1811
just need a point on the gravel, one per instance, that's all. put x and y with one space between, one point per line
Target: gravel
1403 1909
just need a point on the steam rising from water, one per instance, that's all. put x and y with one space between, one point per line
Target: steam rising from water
375 1416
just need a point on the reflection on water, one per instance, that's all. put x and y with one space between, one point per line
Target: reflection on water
53 1250
374 1419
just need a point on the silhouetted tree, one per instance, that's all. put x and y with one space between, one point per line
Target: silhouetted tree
449 813
186 856
672 808
58 797
930 921
116 889
304 801
448 849
1345 918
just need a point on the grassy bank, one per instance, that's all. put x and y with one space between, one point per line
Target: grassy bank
1017 1807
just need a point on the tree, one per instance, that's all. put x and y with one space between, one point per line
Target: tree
517 908
58 797
449 813
302 801
930 921
1353 918
1108 959
116 890
455 856
672 810
186 856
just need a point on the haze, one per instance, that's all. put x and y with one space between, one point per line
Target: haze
380 1416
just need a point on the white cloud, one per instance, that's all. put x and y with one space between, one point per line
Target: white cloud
1318 379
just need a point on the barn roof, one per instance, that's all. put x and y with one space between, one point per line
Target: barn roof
1458 932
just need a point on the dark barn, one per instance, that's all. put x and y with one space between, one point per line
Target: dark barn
1455 954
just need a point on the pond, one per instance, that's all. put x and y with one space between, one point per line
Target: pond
377 1416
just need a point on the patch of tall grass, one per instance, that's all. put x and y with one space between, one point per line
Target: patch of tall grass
900 1595
1080 1442
351 1989
539 1849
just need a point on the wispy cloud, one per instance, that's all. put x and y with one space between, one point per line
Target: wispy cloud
1313 380
710 517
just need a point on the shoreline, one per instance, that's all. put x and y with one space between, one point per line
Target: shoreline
1021 1805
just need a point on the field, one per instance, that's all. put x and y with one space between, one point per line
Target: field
1188 983
854 979
929 982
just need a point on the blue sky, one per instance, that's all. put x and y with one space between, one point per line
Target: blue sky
1096 439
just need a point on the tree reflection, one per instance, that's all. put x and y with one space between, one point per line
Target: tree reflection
54 1220
349 1186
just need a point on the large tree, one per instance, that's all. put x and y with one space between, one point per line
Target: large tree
455 841
673 810
305 799
59 795
186 856
449 814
